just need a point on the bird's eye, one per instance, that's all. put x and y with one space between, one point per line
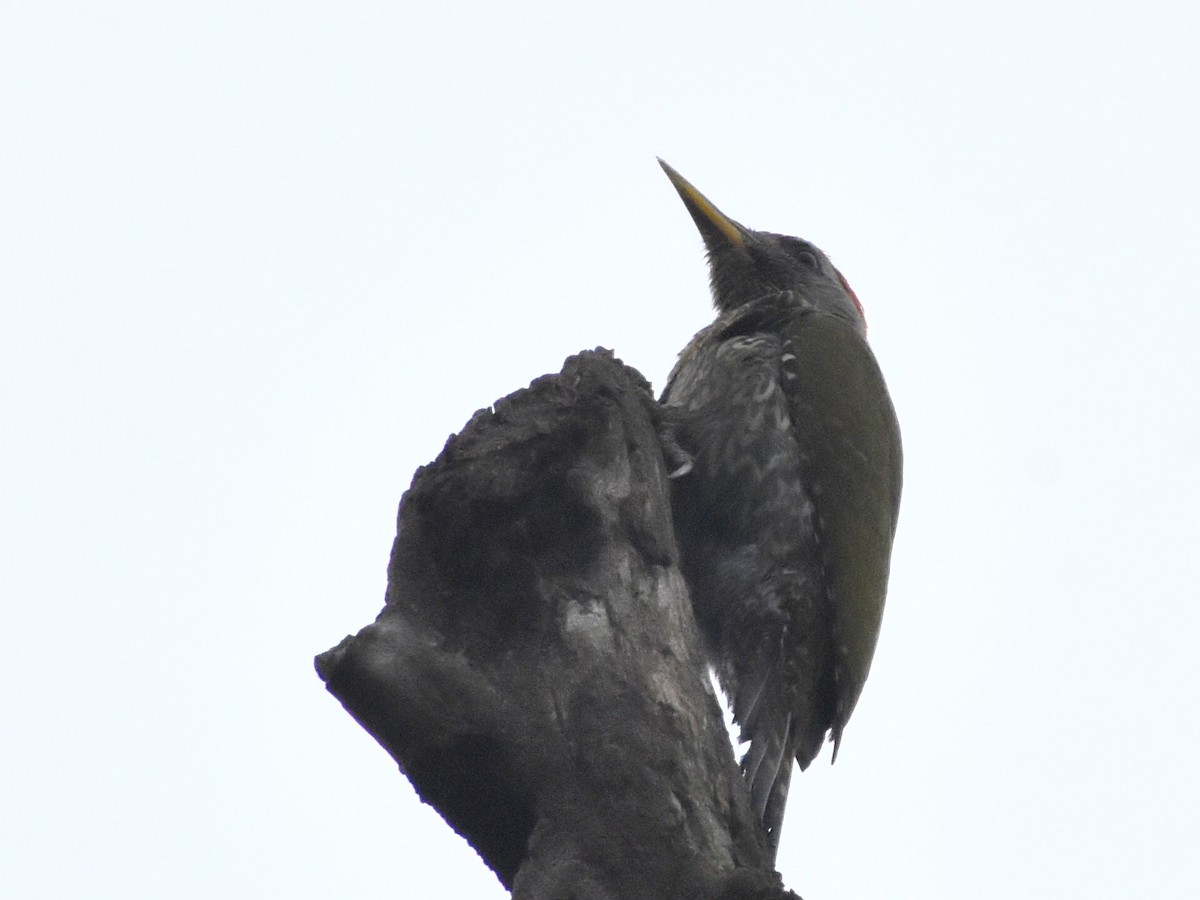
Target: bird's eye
802 253
808 259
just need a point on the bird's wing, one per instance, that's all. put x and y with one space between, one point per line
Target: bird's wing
851 466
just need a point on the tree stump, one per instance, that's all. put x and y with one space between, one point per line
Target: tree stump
536 671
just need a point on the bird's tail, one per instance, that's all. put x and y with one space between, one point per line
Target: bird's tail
767 767
772 815
776 675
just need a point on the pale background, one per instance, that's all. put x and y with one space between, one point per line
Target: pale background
257 261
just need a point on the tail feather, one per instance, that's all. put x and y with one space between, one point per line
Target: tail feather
772 819
768 724
767 761
774 669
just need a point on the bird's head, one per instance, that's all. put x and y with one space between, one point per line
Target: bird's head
745 264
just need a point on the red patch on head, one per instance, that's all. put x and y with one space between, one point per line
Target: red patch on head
853 296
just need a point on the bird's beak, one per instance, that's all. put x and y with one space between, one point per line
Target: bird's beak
718 230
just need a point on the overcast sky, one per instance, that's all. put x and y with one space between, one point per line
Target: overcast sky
258 261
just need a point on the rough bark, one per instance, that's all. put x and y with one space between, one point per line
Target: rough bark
536 672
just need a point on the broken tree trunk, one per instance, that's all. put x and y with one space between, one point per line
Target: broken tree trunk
536 671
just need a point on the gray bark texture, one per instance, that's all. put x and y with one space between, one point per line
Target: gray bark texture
536 671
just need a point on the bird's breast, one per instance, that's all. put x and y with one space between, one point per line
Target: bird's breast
736 421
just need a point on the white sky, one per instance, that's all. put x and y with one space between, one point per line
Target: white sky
257 261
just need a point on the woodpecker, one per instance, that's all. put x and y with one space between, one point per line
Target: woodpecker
786 508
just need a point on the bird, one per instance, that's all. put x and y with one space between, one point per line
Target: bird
786 504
